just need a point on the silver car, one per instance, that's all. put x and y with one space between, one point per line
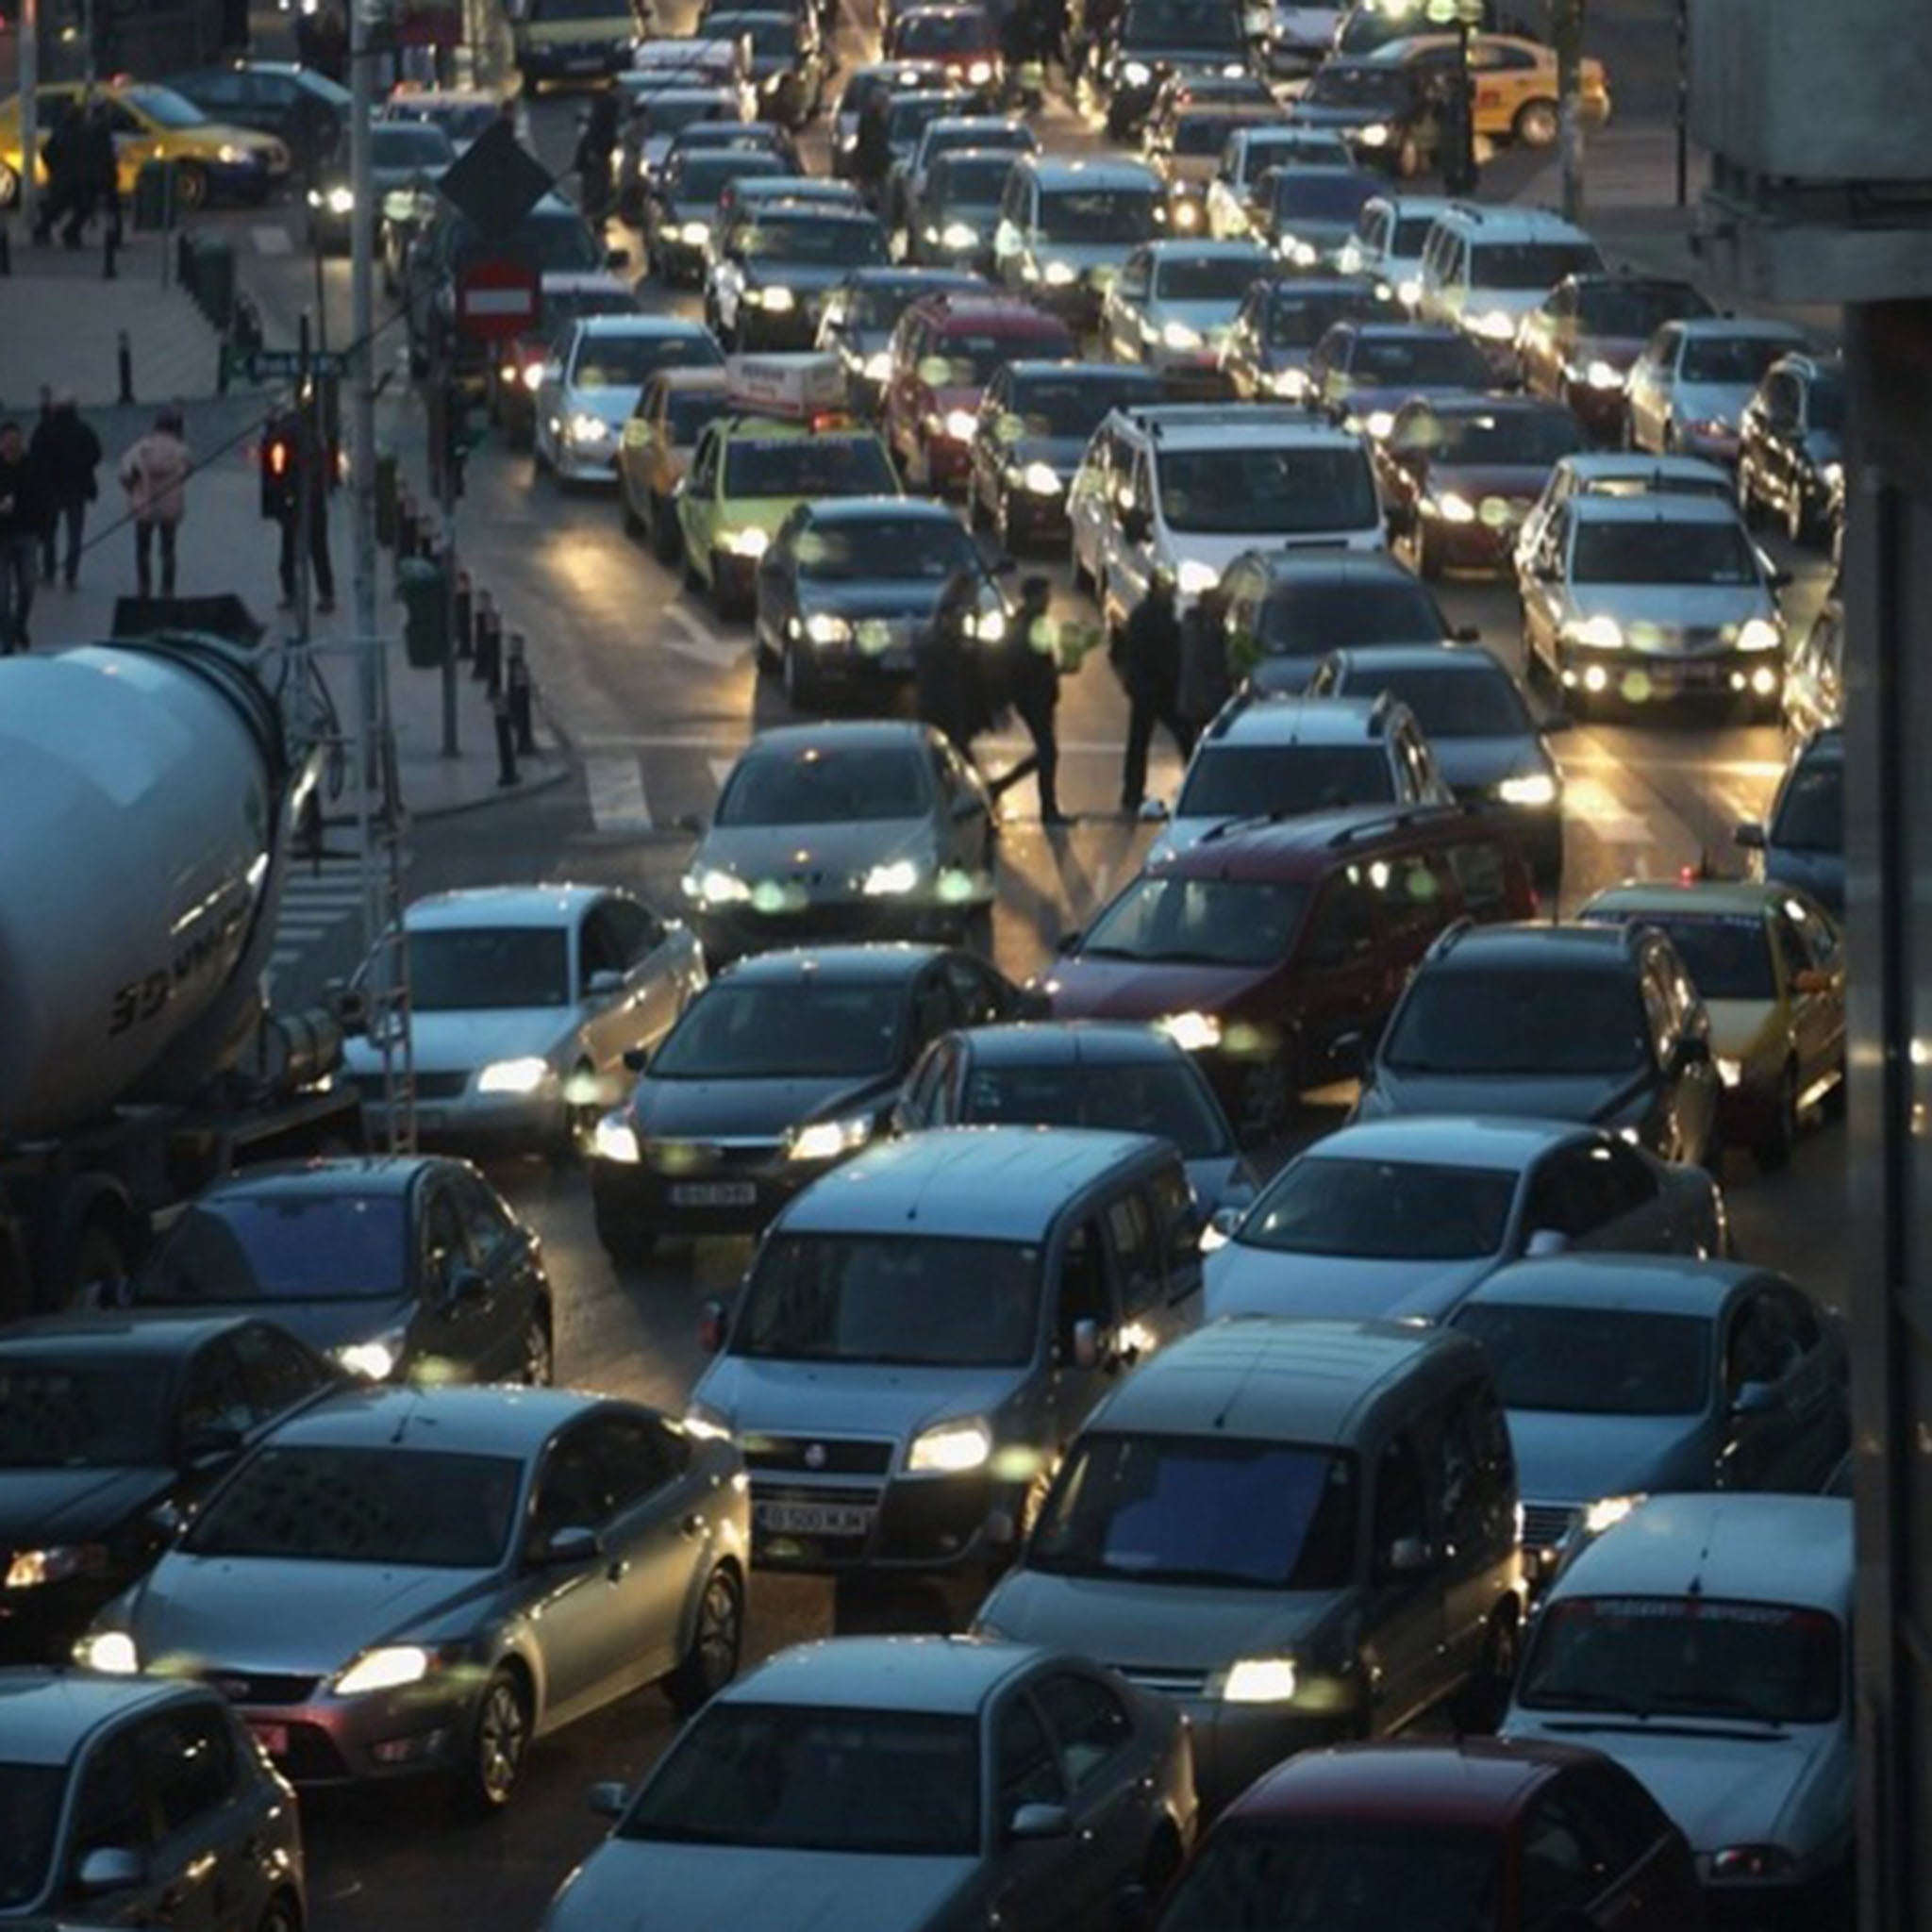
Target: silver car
524 1001
402 1583
1686 394
585 398
1175 300
882 1784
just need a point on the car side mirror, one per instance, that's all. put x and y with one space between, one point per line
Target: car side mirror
1693 1051
466 1288
210 1447
1755 1398
109 1868
1086 1349
712 1323
1406 1555
1040 1820
610 1799
1751 837
166 1519
1135 526
1545 1241
601 985
1226 1219
575 1544
1156 808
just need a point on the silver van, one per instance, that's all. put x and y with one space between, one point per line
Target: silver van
1301 1530
924 1331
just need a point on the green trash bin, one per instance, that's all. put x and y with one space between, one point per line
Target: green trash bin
214 277
424 587
385 497
157 197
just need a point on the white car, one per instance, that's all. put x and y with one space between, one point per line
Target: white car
1174 304
1705 1643
1617 473
1388 244
523 1001
1249 153
1686 394
587 395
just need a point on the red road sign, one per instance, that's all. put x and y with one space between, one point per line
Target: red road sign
497 298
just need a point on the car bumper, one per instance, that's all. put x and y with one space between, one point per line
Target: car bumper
678 260
1640 678
712 1196
910 1526
597 464
323 1740
728 933
1193 377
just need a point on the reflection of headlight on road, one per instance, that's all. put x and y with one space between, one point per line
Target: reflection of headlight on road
959 425
615 1140
1532 787
950 1448
1040 479
1730 1071
1495 325
1259 1680
1375 134
750 541
958 235
1601 375
1135 72
1193 577
827 1139
1758 634
589 429
890 880
716 888
1057 275
1190 1032
695 234
1451 507
1177 335
1595 633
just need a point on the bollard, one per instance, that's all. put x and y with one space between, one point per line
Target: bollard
124 358
489 666
505 740
462 617
6 248
522 693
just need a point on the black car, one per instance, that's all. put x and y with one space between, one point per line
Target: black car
1390 113
1305 212
305 111
1362 372
1156 38
1035 423
1791 446
788 68
776 266
1277 325
405 160
1594 1024
950 222
783 1066
406 1268
858 318
681 199
1803 841
111 1429
636 175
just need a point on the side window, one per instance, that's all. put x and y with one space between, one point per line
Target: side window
1179 1223
1029 1773
632 1458
570 1492
187 1759
1089 1723
1658 1020
1482 877
1083 1282
1761 1346
276 1371
598 950
1136 1253
1402 1513
1562 1871
112 1813
485 1223
934 1008
1342 932
632 929
1478 1493
1626 1181
1800 1319
1412 900
1559 1198
444 1246
1618 1813
216 1395
704 468
1781 401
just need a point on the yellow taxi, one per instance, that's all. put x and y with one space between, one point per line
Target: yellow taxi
1515 81
152 124
1770 964
657 450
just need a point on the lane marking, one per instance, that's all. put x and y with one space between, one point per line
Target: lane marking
616 788
696 639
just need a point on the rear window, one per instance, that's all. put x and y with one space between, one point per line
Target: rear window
1239 781
1530 264
808 466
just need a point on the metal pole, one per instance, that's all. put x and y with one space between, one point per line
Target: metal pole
29 112
362 418
1683 102
1570 103
304 482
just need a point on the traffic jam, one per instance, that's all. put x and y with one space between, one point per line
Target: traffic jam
1269 1387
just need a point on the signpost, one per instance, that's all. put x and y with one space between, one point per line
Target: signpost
497 297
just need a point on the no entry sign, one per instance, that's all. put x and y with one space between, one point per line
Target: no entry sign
496 299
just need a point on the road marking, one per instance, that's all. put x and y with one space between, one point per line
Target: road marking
271 237
1600 757
1591 802
697 640
616 788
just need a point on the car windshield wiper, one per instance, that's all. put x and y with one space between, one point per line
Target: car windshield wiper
1576 1697
1716 1704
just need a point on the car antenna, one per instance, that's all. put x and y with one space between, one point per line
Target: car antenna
408 1416
1239 1389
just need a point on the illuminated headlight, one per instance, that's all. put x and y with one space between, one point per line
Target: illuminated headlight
533 375
957 235
1730 1071
1533 788
340 200
711 1425
1379 422
1057 275
1351 260
615 1140
1602 375
890 880
589 429
1135 72
1763 681
715 888
1259 1680
1758 634
750 541
232 156
1177 335
1290 384
879 366
959 425
1595 633
695 234
522 1075
827 1139
979 73
1193 577
1302 254
34 1569
1495 325
1190 1032
111 1651
777 301
950 1448
1607 1512
990 626
1451 507
1377 134
375 1359
1040 479
822 628
1409 291
1832 475
388 1668
1187 214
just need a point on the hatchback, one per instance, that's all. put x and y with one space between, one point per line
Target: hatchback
587 393
1686 394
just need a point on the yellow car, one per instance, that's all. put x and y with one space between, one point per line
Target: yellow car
1770 964
657 449
1516 92
152 123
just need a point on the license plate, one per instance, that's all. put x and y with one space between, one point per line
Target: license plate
713 1195
586 64
273 1738
813 1519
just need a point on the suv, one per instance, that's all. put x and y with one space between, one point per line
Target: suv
1484 269
1597 1023
1265 946
1065 228
1277 757
1790 445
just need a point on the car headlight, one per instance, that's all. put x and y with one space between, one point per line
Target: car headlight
1290 385
1177 335
589 429
778 301
1057 275
533 375
1190 1032
1601 375
34 1569
890 880
1194 576
315 197
827 1139
715 888
701 1419
1042 480
1729 1072
1135 72
1379 422
376 1360
1187 213
1607 1512
1259 1680
341 200
111 1651
959 425
614 1139
823 627
1758 634
1495 325
695 234
1451 507
750 541
1409 291
387 1667
979 73
958 235
950 1448
1832 475
1532 787
1377 134
522 1075
1595 633
231 155
879 366
1300 254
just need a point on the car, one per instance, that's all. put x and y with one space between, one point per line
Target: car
1814 694
1298 1531
1361 371
1617 473
518 368
746 476
654 118
589 393
1629 1375
1155 41
849 587
1791 446
859 315
1366 25
861 83
1576 346
1266 350
523 1000
1686 394
655 447
1185 146
950 222
406 1268
125 1803
1769 964
926 1777
1387 115
1730 1617
464 113
1484 269
744 198
405 158
1404 1219
1260 949
409 1583
906 185
1079 1074
1801 840
913 110
1065 227
962 41
1295 39
1404 1834
873 828
777 264
307 112
681 200
722 137
1482 738
789 63
1461 473
111 1430
1636 601
1515 86
572 41
1599 1024
1250 152
1172 304
1280 758
1305 213
1386 247
1289 610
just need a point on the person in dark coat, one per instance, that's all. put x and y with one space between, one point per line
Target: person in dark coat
66 453
23 515
63 154
872 161
1028 678
314 462
952 685
100 177
328 44
1149 664
596 155
1205 681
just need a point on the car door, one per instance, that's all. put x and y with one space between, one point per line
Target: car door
1775 1388
502 1254
1621 1205
1646 1880
114 1810
203 1860
1103 1764
1088 502
1138 1255
1124 313
1402 1628
1025 1876
1083 1292
1546 593
966 824
1568 1867
448 1328
1341 982
1473 1473
1812 966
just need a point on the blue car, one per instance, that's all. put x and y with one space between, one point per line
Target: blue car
1803 842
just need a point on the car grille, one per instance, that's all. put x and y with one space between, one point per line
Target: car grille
1546 1525
817 1456
260 1689
1165 1681
687 1159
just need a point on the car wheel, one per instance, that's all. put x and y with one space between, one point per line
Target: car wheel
711 1661
1481 1702
191 187
662 526
1537 124
540 1359
281 1915
1774 1148
499 1742
9 185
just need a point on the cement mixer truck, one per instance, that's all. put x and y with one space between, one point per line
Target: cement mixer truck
147 802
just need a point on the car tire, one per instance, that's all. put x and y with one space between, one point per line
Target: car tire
662 523
1478 1707
538 1368
1537 124
802 691
499 1742
191 187
716 1645
1773 1148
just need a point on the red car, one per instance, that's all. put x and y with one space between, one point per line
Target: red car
1265 946
945 350
961 39
1440 1834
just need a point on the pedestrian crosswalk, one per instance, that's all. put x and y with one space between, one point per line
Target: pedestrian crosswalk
316 899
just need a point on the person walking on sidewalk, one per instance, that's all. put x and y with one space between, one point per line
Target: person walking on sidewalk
308 460
1148 663
66 453
155 474
100 173
23 513
64 155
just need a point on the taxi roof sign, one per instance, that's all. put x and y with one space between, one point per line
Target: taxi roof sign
789 388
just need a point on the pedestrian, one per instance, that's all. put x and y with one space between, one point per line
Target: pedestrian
328 44
62 156
22 514
953 684
100 180
154 473
1027 677
312 463
1207 681
872 159
1457 138
1148 662
66 454
596 155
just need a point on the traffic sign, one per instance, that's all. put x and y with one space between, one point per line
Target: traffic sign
495 183
287 365
497 297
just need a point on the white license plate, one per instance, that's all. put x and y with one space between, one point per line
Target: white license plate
813 1519
273 1738
713 1195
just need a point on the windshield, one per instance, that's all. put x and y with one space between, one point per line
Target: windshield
1098 215
1358 86
967 181
488 968
813 787
30 1796
94 1413
460 120
1069 409
942 33
1635 309
1383 1210
1201 134
703 175
301 1246
795 1778
1728 956
1593 1361
803 1032
1520 439
808 466
1203 921
1242 781
771 37
970 361
1294 1877
1436 361
1476 703
1170 1102
397 147
877 306
405 1509
1734 361
1258 490
1311 196
907 121
1495 1021
1529 264
688 410
811 242
1411 231
1195 1510
1811 814
622 361
1210 278
162 104
927 549
1296 321
1318 616
1198 26
1687 1656
932 1302
1659 551
1272 146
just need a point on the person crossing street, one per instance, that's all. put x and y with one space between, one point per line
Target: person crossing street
1147 660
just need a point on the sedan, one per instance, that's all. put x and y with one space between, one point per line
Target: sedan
881 1783
1687 391
408 1268
1400 1219
523 1000
305 111
1626 1375
681 199
1362 372
1305 212
1266 350
951 219
110 1431
1173 304
859 315
587 395
1577 345
406 1583
776 266
1790 450
405 158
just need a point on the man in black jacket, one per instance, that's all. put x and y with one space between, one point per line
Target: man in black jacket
23 512
65 453
1148 662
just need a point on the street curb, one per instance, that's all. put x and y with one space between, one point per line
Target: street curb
506 794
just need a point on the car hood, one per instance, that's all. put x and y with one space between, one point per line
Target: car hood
218 134
1243 1280
823 856
873 597
1091 989
1203 318
848 1398
812 277
336 1324
1084 258
1587 1097
612 405
705 1110
1060 454
1480 763
1563 1457
1711 402
1309 113
41 1506
1672 608
461 1042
